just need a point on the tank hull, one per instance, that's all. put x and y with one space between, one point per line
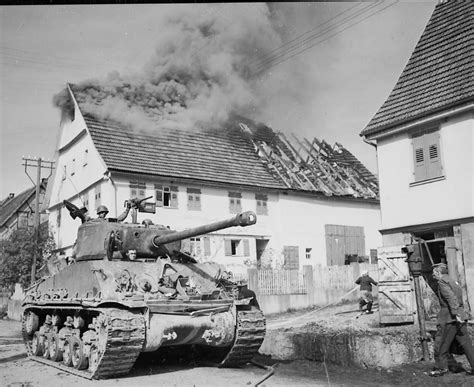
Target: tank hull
99 310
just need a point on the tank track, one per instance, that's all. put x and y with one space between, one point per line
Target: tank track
124 342
250 332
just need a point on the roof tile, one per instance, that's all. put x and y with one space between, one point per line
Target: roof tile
439 73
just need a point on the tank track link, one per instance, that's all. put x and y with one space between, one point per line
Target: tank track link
125 339
250 332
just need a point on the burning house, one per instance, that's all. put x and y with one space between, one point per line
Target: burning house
316 203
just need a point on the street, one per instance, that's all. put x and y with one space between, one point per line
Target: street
17 370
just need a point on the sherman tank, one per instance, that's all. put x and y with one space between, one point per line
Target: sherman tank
130 289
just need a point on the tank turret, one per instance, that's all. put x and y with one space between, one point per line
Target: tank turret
108 239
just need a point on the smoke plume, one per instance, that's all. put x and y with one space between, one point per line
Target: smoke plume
201 72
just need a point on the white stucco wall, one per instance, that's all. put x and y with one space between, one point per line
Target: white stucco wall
75 183
302 223
449 198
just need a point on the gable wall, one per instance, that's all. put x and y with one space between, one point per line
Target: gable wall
448 198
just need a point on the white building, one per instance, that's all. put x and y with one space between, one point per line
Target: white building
424 133
199 177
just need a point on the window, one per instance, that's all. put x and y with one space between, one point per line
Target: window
86 157
426 155
97 195
137 190
342 241
235 204
195 247
308 252
262 208
194 199
166 196
291 257
73 167
237 247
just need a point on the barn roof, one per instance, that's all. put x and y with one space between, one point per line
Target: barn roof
439 73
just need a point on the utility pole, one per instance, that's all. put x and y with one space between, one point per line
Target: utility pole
38 163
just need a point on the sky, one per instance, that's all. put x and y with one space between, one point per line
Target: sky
313 69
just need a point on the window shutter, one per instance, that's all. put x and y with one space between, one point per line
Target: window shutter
434 161
159 198
207 246
246 248
228 247
419 155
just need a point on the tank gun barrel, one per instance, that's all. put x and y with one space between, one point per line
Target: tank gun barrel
243 219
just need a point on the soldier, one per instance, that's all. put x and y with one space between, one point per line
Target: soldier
452 322
102 212
365 294
147 223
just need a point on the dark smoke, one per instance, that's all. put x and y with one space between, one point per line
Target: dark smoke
200 74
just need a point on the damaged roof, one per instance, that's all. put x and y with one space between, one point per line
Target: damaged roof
439 73
241 152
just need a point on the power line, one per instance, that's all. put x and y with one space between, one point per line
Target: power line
279 58
326 38
270 53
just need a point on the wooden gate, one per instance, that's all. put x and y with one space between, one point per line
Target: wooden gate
396 298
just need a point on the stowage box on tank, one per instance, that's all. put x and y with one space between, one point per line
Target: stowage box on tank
130 290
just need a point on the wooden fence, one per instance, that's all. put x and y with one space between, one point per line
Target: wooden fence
295 281
281 282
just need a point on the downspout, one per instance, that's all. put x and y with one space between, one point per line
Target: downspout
374 144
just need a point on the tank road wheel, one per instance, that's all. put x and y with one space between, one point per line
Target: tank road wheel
94 357
79 359
55 350
31 323
67 354
46 341
37 344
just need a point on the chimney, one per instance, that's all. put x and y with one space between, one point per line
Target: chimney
11 195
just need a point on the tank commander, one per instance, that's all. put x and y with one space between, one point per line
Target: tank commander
102 212
245 292
147 222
